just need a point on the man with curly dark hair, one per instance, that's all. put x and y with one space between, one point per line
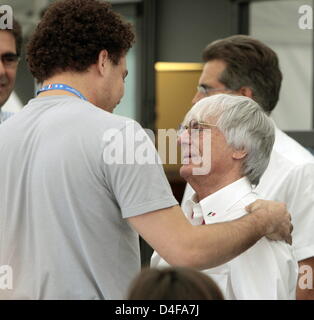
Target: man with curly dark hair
69 203
70 38
10 52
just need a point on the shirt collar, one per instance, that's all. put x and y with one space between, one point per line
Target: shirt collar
279 136
192 210
218 203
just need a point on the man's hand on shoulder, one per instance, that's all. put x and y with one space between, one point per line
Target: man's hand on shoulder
274 217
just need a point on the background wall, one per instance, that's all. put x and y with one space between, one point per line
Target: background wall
276 24
184 27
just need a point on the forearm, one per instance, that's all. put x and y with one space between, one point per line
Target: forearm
208 246
180 243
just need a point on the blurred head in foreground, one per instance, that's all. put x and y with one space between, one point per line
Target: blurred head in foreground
173 283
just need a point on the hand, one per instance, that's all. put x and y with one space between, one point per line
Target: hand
276 218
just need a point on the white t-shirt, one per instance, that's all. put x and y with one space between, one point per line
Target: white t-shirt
289 178
63 204
267 270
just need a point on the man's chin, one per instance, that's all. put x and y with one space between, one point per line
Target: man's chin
3 99
186 171
190 171
109 108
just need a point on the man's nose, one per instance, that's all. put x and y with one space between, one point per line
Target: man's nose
198 96
184 138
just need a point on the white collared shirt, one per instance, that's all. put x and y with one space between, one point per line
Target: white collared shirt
289 178
267 270
4 115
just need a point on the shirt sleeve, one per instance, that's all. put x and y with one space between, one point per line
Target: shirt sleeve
298 191
133 171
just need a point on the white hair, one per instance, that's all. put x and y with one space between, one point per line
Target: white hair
245 127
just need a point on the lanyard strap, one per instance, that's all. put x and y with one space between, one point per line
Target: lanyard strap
60 86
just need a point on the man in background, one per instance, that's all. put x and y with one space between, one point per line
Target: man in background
10 52
243 65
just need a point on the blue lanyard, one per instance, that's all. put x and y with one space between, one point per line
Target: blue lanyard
60 86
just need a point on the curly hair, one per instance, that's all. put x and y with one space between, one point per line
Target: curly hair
250 63
16 31
71 35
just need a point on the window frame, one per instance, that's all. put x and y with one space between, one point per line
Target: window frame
240 25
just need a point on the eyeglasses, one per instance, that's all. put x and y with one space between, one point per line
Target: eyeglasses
9 60
206 91
195 125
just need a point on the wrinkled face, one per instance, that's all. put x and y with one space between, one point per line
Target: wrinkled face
209 80
114 84
7 69
205 151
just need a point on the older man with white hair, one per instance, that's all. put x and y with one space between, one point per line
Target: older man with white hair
239 136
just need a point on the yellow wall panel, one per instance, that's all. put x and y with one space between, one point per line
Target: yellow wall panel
175 88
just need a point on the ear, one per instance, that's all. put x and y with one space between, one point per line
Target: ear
239 154
103 59
247 92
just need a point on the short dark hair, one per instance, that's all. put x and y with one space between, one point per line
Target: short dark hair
16 31
173 283
71 35
250 63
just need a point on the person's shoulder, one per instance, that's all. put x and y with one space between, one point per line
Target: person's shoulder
290 151
238 210
103 118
